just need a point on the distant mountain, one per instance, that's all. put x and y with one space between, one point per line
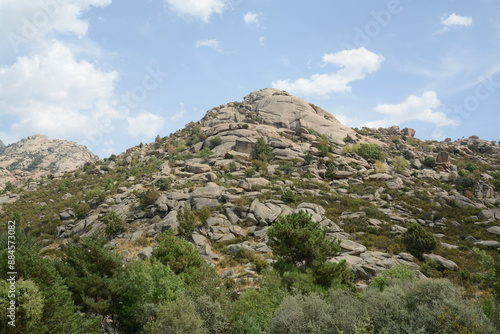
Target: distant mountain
37 155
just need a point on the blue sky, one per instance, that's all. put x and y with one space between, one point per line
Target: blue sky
110 74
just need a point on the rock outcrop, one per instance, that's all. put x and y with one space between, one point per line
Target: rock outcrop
36 155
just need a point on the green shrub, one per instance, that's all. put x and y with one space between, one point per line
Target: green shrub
287 168
400 164
187 222
148 197
471 167
398 272
39 285
147 283
164 183
288 197
308 158
92 273
423 306
180 255
430 162
113 223
29 306
370 152
262 150
253 312
93 193
177 316
466 183
204 153
418 241
296 238
81 210
304 314
9 187
215 141
330 171
212 315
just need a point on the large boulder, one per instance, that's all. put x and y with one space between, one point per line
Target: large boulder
447 264
282 110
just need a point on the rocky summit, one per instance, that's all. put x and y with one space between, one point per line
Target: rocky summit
388 199
36 155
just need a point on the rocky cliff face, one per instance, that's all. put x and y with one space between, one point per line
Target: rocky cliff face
274 109
366 196
37 155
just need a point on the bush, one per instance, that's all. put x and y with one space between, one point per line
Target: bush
81 210
262 150
400 164
288 197
380 167
471 167
39 282
398 272
304 314
296 238
180 255
308 158
164 183
215 141
423 306
148 197
330 171
92 272
430 162
113 223
176 317
253 312
370 152
187 222
466 183
418 241
204 153
147 283
210 311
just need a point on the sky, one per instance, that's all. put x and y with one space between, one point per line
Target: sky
110 74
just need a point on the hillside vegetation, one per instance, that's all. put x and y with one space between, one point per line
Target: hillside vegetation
267 216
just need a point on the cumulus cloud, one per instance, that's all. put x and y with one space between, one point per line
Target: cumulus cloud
454 20
354 64
199 9
25 21
251 18
413 108
209 43
52 93
145 125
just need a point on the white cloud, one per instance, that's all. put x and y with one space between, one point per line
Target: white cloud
179 115
28 21
354 64
251 18
209 43
452 21
456 20
413 108
145 125
200 9
53 94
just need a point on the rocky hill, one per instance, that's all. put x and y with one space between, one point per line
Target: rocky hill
36 156
222 182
